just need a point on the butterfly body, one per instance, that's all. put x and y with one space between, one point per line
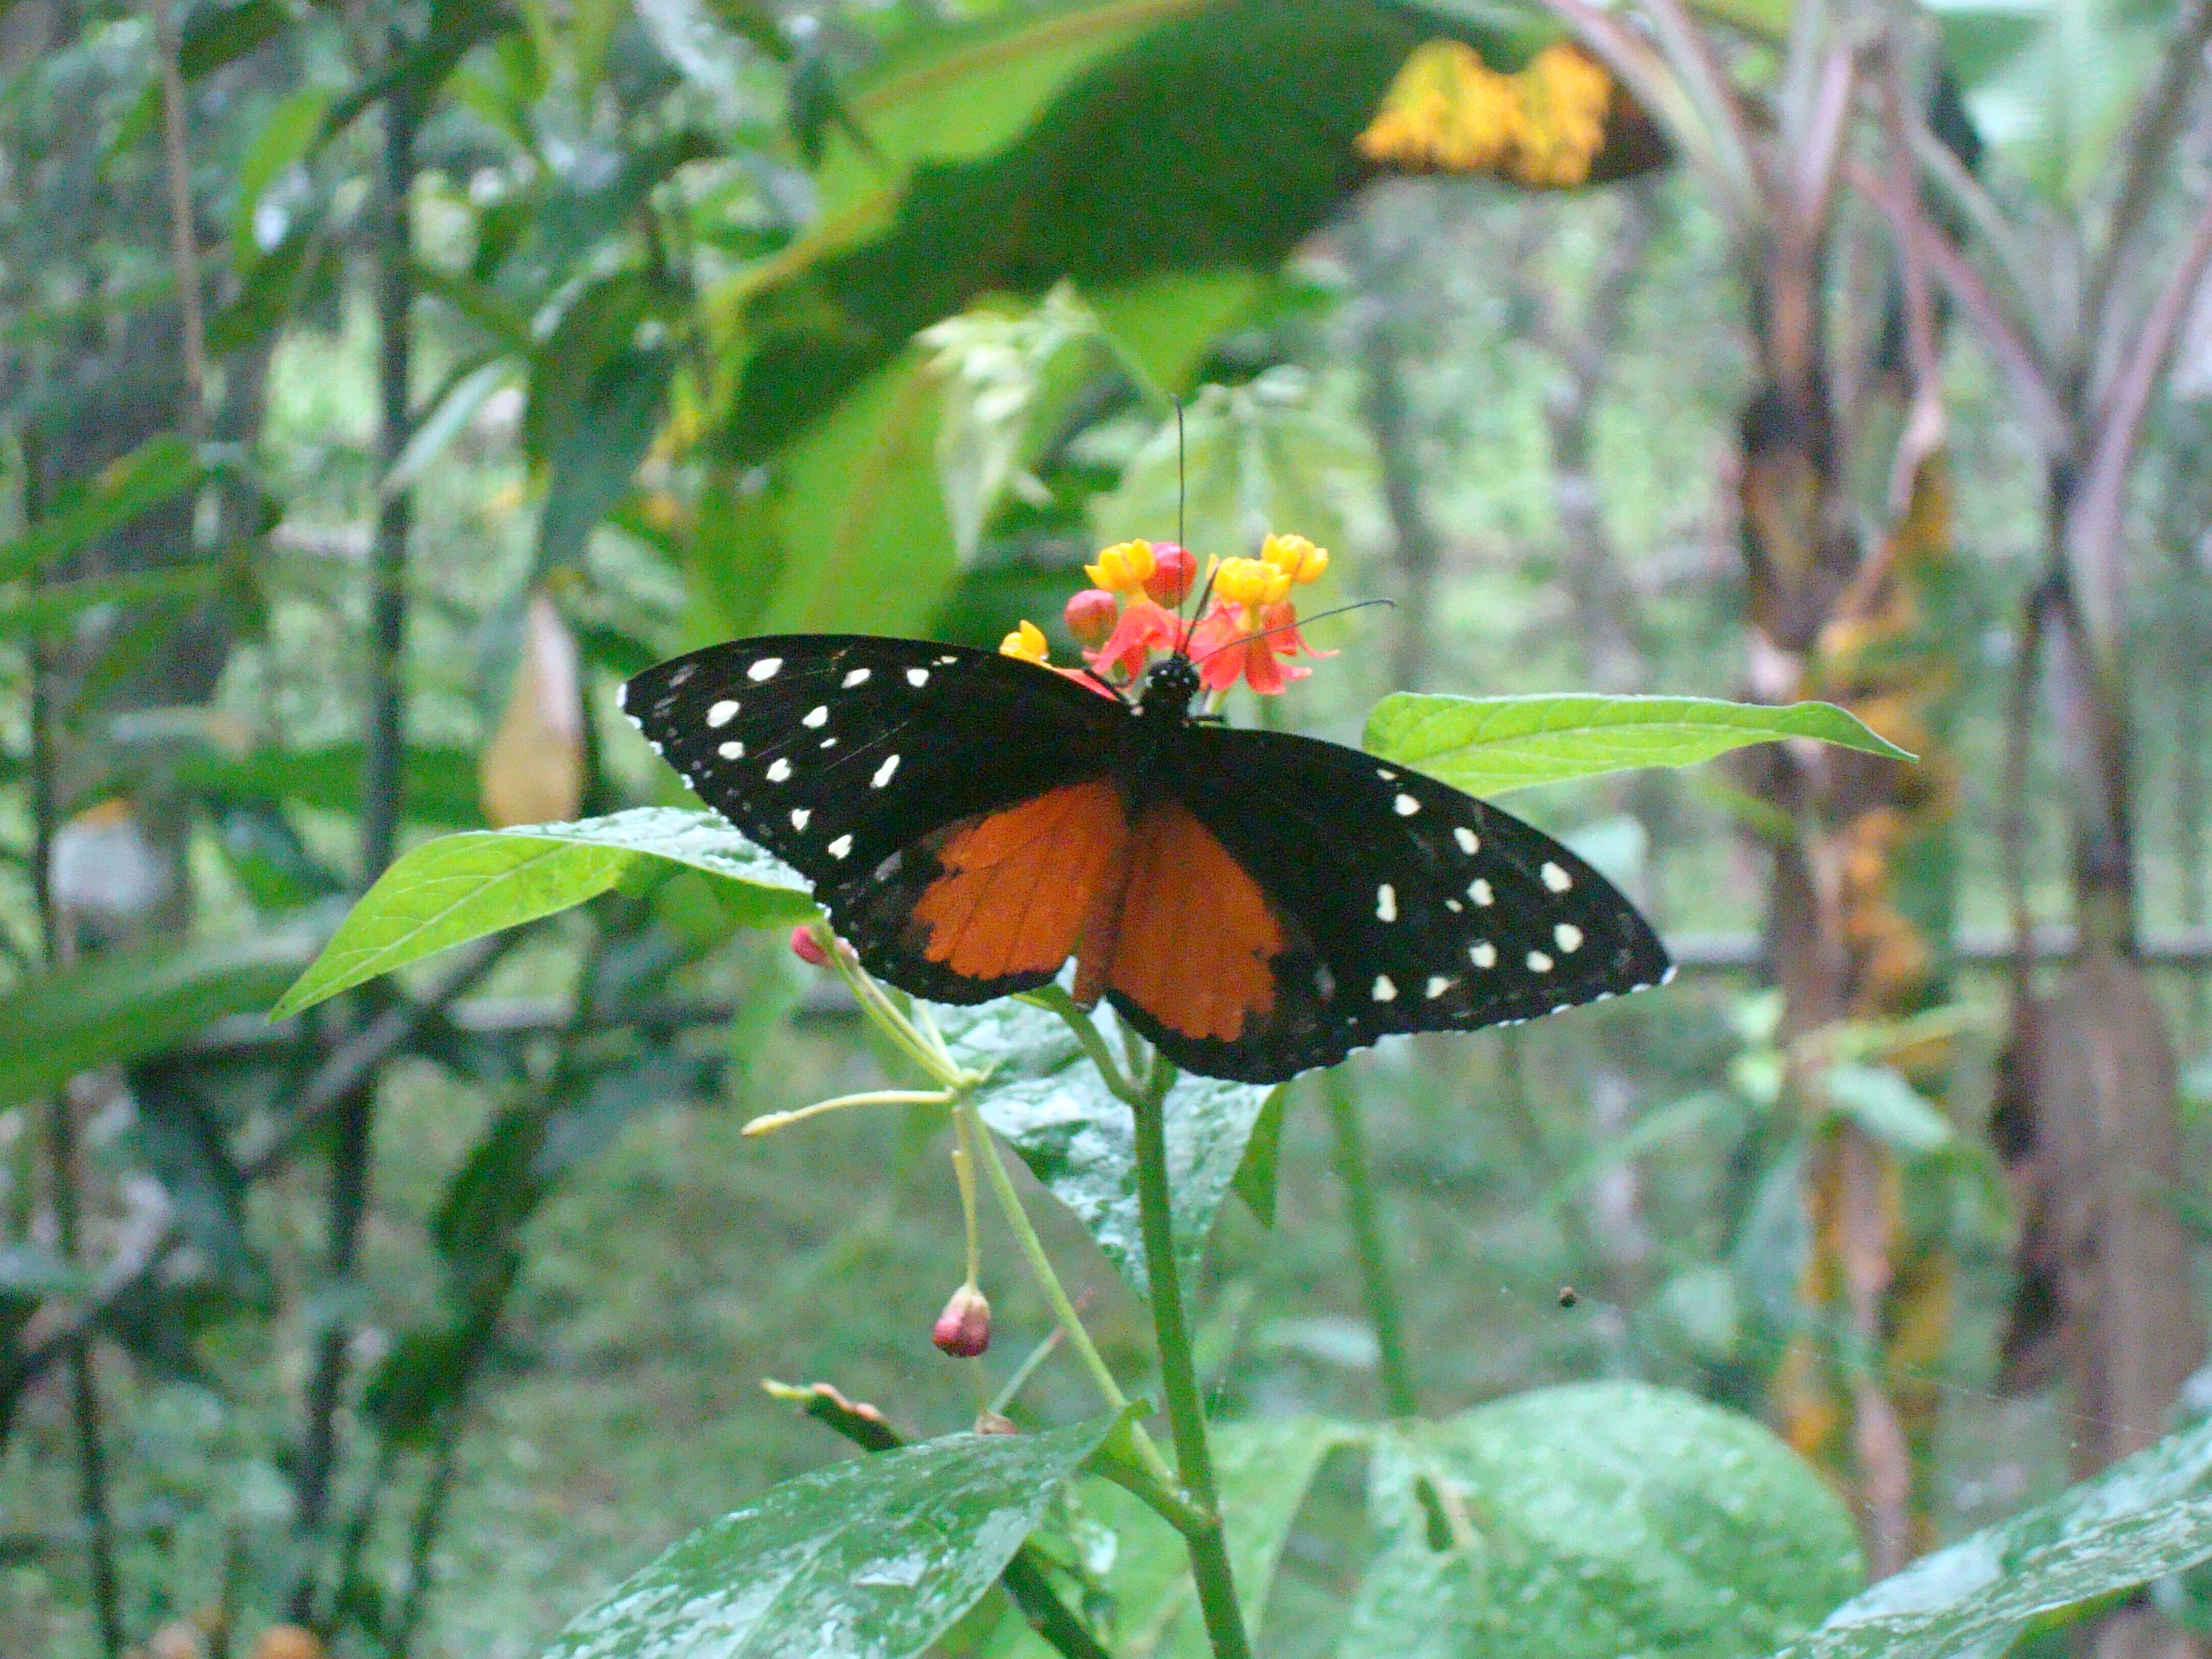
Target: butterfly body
1254 902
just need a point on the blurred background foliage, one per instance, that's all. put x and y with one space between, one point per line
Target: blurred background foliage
379 384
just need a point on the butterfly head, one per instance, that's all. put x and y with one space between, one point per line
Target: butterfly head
1169 688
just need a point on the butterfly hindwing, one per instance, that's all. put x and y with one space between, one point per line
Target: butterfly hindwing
1404 905
860 760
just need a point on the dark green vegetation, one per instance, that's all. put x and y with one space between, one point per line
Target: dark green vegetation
523 347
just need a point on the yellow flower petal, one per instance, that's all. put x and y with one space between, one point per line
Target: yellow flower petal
1027 642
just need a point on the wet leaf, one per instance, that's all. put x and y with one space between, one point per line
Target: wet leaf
871 1558
1047 1101
2146 1516
1596 1519
1264 1469
1486 745
460 887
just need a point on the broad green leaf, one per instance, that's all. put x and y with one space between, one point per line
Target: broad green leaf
1048 1102
450 415
125 1004
458 888
2146 1516
156 470
1486 745
1263 1468
1105 145
870 1559
1592 1521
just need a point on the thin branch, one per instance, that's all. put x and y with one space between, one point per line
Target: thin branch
1690 50
2039 406
1364 1217
61 1141
2154 131
184 245
2092 520
2023 277
1816 172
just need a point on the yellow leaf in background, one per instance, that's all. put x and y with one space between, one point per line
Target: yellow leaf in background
1563 93
532 769
1446 108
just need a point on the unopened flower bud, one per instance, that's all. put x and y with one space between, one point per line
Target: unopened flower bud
1173 572
1091 615
807 948
963 1329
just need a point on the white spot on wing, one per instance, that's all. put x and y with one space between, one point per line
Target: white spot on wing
857 676
917 678
1484 954
731 751
1554 878
1470 842
798 817
1386 902
1479 891
778 770
765 669
1406 806
1438 986
721 714
884 773
1454 906
1384 991
1386 775
1539 963
1568 936
817 716
839 846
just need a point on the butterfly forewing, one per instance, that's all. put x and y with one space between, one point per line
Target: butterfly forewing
1408 906
854 758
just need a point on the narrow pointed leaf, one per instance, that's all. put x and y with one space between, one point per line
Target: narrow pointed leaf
460 887
871 1558
1486 745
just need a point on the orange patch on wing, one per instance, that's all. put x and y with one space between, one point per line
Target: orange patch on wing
1015 885
1196 933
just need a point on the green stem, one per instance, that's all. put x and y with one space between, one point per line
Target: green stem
1057 1000
1169 1499
1365 1220
1209 1551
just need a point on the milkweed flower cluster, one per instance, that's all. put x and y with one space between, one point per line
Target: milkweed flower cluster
1248 629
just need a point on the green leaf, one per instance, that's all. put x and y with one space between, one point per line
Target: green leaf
156 470
440 783
41 608
217 35
871 1558
2146 1516
1048 1104
449 416
125 1004
1592 1521
458 888
1486 745
1881 1101
595 457
1256 1176
286 133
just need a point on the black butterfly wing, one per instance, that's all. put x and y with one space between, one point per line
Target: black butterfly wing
1405 905
855 759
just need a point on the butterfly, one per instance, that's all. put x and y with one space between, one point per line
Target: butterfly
1255 904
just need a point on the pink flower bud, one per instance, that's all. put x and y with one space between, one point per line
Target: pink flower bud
1173 572
963 1329
807 948
1091 615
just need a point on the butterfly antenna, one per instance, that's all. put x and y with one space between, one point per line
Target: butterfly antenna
1295 622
